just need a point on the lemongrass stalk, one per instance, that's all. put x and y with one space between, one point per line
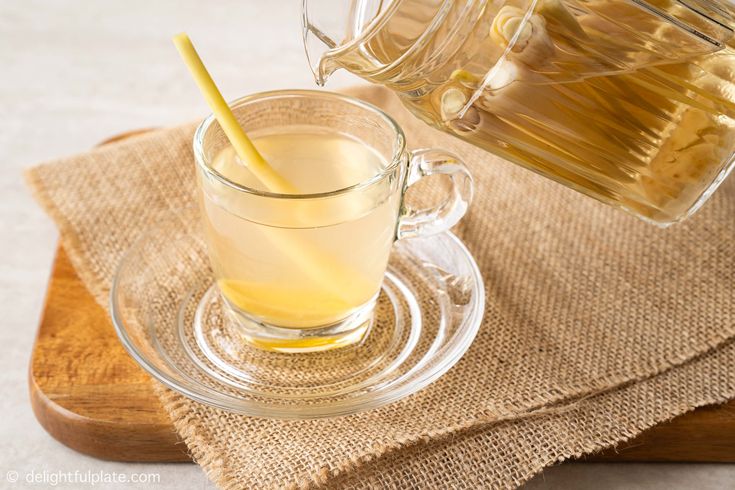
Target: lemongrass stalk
316 264
244 148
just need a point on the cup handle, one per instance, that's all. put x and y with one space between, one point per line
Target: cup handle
447 213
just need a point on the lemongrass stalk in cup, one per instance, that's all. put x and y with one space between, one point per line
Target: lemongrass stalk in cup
315 263
235 134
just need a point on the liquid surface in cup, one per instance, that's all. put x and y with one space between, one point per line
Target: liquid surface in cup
629 102
301 263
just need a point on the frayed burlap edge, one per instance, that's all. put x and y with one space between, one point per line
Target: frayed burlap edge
97 286
94 284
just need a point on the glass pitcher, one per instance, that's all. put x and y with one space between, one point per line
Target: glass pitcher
631 102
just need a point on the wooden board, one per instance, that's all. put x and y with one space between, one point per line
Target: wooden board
86 390
88 393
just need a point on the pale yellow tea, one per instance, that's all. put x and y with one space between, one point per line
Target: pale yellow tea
301 263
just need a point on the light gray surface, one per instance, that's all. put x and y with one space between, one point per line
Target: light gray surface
75 72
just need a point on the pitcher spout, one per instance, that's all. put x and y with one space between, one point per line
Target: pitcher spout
318 46
331 28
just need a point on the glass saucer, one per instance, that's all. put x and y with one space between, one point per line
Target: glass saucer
169 316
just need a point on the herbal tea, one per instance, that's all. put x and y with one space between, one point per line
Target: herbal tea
629 102
301 263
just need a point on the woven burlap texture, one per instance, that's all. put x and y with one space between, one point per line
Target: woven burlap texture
592 323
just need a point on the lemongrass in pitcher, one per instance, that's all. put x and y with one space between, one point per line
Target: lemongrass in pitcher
630 102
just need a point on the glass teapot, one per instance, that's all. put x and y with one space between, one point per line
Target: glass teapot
631 102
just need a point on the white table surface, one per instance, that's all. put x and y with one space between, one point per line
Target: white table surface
74 72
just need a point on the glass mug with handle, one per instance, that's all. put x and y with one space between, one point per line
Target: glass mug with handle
301 272
631 102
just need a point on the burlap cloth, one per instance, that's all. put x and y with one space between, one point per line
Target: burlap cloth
597 325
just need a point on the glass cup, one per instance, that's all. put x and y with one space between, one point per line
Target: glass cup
301 272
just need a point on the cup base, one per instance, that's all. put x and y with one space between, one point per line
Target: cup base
351 330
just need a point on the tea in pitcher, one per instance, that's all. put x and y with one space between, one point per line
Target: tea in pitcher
630 102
